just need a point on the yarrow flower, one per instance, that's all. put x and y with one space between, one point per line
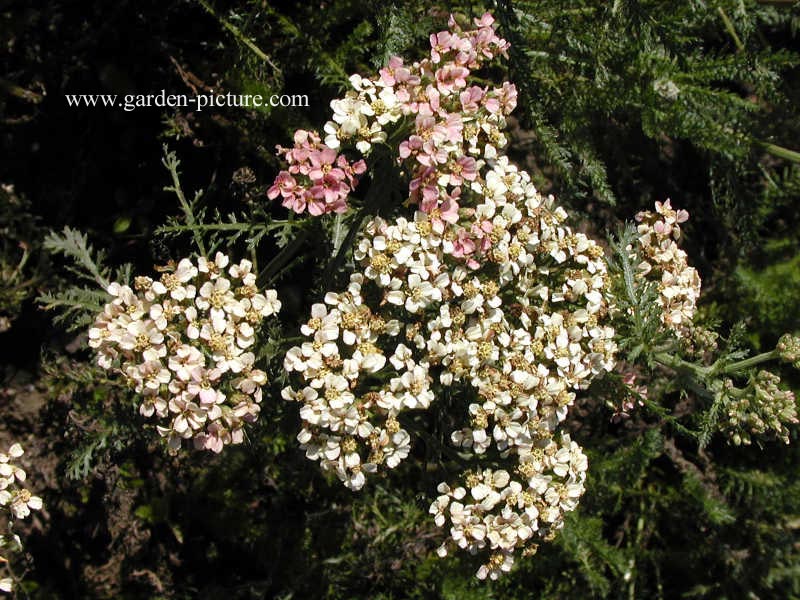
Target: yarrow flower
16 502
789 349
501 512
630 401
664 262
483 293
182 343
318 179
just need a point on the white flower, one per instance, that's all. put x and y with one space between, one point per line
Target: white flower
399 448
23 502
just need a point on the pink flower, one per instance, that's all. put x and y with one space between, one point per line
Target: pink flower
507 96
322 162
359 167
440 43
485 20
451 77
284 186
212 440
202 386
447 212
471 98
423 188
315 199
485 38
295 202
481 232
334 188
434 98
432 155
463 247
411 146
492 105
318 179
453 126
394 72
465 168
351 170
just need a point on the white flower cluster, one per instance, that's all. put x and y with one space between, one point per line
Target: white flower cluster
182 343
485 295
501 513
434 87
679 284
16 502
524 333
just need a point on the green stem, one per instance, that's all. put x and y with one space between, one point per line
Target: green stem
288 251
731 29
749 362
674 362
20 265
402 131
172 163
383 176
209 227
337 261
781 152
240 37
431 442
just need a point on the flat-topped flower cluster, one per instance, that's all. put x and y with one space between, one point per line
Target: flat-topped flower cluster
182 343
484 294
16 503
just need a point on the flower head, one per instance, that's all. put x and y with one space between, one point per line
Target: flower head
183 348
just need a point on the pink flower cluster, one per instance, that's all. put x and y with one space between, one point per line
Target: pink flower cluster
318 179
458 127
633 399
455 127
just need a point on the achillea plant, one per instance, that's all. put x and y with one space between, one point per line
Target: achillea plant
325 178
463 309
664 261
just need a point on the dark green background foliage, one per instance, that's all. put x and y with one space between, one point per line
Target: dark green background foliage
621 103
